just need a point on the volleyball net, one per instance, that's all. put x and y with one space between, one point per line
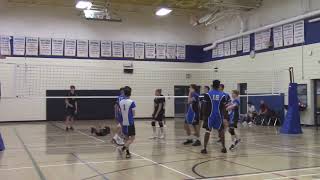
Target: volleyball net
43 84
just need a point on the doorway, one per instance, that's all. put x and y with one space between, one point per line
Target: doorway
181 104
317 102
243 99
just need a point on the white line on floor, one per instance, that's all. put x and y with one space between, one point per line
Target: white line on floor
164 166
289 177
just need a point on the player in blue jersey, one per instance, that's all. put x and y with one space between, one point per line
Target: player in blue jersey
228 100
234 115
215 109
127 107
117 111
192 117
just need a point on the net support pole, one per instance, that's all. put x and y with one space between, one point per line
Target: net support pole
291 124
2 147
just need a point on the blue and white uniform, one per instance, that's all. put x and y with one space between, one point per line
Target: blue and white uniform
127 107
118 110
234 113
217 101
192 116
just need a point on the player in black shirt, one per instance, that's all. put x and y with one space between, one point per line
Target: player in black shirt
158 114
71 108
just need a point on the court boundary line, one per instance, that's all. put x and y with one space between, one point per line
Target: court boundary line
35 165
147 159
302 175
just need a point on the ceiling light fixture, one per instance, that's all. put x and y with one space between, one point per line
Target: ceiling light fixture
83 4
163 11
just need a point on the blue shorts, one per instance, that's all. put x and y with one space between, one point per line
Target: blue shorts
192 117
129 130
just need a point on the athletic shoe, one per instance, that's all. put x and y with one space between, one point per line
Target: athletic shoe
128 155
204 151
232 147
188 141
154 136
67 129
224 150
118 141
161 136
197 143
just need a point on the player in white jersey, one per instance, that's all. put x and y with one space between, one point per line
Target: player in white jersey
117 135
127 107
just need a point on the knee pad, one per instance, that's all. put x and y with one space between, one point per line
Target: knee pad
161 124
153 123
231 131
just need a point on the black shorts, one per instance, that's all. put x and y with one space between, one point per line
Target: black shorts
129 130
70 112
159 118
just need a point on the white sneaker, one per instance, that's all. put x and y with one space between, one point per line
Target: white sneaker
161 136
118 140
153 136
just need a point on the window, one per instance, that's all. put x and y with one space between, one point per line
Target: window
302 93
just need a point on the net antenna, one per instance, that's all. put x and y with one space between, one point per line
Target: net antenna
291 74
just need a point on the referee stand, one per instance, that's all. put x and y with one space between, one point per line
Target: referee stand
291 123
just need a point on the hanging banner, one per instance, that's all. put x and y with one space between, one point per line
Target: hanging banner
258 41
117 49
233 49
70 46
181 52
277 37
171 51
94 48
139 50
299 32
246 44
288 35
5 46
220 50
45 46
226 48
150 50
82 48
161 51
215 52
239 44
57 47
128 49
32 46
265 39
106 48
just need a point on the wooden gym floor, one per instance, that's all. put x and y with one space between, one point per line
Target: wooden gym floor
45 151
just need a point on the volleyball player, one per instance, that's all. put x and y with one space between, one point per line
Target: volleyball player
192 117
228 100
215 110
71 108
127 107
117 136
158 114
203 102
233 109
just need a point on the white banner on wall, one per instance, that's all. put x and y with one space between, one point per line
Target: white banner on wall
117 49
233 48
220 50
106 48
19 46
5 46
82 48
171 51
57 47
128 48
226 48
215 52
299 32
181 52
277 37
70 47
288 34
246 44
139 50
45 46
239 44
258 41
94 48
161 50
150 50
266 38
32 46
